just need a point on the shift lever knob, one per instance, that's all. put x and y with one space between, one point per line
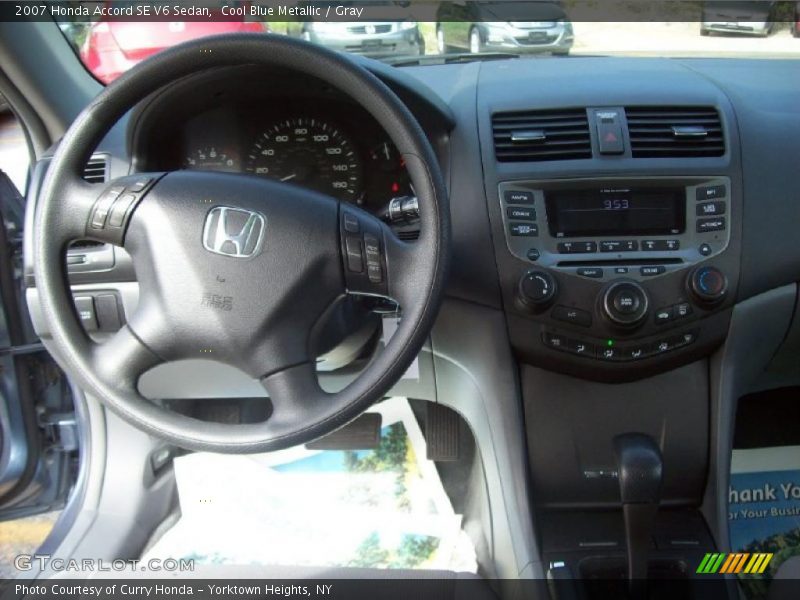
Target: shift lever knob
639 470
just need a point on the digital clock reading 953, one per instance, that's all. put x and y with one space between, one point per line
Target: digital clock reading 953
616 211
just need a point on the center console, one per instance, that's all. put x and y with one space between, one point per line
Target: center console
616 278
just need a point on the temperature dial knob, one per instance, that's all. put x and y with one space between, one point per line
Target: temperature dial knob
708 285
536 290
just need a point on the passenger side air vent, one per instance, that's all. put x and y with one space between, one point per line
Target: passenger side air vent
96 170
673 132
541 135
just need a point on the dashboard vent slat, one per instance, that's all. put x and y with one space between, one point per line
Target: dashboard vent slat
96 170
530 136
674 132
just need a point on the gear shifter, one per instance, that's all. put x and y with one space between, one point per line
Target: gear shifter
639 469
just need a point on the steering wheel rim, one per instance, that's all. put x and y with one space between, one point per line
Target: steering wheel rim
68 208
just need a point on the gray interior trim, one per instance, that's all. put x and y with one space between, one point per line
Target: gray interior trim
475 376
758 327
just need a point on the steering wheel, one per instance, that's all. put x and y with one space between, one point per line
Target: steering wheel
237 268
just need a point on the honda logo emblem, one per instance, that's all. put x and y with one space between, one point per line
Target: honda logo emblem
233 232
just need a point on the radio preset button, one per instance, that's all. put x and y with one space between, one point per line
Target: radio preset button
710 192
619 246
577 247
710 208
521 213
518 197
661 245
710 224
524 229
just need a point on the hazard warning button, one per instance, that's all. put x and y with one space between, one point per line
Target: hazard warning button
609 132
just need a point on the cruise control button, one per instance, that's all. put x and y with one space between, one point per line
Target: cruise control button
521 214
650 271
707 209
518 197
524 229
577 247
710 224
710 192
574 316
85 307
664 315
593 272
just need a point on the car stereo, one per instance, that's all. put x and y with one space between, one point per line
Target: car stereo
617 270
640 228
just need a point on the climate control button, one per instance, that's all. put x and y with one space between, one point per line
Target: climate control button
625 303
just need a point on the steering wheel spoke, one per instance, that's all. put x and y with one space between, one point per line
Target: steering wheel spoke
122 359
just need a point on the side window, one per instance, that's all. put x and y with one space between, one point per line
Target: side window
14 155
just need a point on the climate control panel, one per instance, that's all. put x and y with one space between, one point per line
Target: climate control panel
617 279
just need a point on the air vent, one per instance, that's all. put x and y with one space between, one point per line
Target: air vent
541 135
96 169
672 132
408 235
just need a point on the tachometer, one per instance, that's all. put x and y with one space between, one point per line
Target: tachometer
210 158
309 152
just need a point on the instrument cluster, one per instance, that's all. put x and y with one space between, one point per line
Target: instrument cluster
330 149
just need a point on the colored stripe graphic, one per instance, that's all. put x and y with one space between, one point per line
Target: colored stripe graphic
735 562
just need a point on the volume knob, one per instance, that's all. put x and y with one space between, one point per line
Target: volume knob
536 289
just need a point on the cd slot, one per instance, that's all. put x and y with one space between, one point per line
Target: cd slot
630 262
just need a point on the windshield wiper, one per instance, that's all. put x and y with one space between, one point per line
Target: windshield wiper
440 59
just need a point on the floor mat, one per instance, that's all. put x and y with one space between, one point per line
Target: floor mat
383 508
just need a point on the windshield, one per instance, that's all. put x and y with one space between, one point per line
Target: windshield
112 36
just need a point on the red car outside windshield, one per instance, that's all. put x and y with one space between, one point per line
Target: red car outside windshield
112 47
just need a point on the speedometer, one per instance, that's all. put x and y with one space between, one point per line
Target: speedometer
309 152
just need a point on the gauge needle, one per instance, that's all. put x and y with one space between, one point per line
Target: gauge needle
288 177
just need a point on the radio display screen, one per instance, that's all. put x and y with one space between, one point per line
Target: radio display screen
616 211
